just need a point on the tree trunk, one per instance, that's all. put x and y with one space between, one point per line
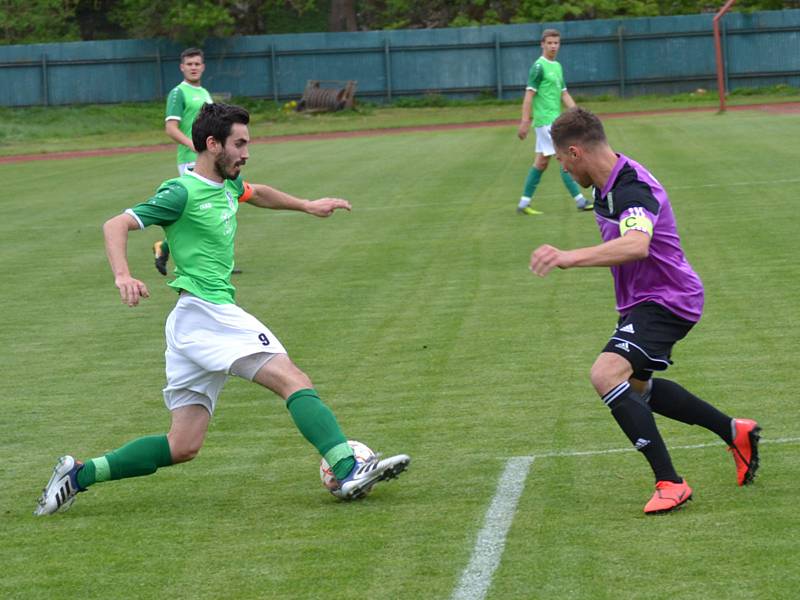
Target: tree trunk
342 16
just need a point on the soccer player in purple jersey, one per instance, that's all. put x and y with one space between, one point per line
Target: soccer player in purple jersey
659 299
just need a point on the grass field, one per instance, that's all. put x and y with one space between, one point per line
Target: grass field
418 321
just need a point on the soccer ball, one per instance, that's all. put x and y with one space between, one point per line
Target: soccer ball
361 452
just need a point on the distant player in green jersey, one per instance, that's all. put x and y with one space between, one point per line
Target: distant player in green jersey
183 103
545 92
209 337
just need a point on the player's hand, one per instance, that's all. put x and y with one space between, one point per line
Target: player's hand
324 207
546 258
131 290
524 129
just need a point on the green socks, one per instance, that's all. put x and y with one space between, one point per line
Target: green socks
318 425
531 181
570 184
535 175
146 455
142 456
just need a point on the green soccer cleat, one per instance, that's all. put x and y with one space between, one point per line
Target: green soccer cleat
528 211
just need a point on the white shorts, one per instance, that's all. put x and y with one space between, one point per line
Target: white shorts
544 142
204 340
183 167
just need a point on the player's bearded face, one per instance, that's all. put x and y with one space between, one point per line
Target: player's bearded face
233 155
227 165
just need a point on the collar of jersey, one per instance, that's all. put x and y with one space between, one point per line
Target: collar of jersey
204 180
622 160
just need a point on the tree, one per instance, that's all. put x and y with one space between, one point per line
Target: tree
188 21
342 16
30 21
92 19
193 21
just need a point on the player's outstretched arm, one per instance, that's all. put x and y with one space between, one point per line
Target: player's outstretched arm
268 197
634 245
546 258
568 101
115 231
325 207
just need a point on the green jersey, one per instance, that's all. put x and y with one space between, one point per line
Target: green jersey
183 103
546 78
199 218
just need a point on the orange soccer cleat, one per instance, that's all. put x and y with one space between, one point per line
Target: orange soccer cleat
668 496
745 449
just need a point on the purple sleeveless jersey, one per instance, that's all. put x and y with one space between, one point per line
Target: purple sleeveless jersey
665 276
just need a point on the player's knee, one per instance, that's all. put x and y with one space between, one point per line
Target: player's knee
598 377
183 450
608 371
298 381
282 376
184 454
603 378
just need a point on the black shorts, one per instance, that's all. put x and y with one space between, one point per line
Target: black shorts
645 337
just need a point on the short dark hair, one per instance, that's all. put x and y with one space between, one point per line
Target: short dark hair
550 33
216 120
577 125
192 52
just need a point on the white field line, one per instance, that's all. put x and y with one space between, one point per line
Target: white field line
488 550
477 577
569 453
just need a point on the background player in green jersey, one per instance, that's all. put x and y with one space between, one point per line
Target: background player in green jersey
210 337
184 101
545 92
183 104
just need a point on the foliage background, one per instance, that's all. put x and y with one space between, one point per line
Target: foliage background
192 21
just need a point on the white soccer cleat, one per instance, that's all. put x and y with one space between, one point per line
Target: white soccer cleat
60 491
366 473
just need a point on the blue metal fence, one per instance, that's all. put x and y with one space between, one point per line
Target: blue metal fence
624 57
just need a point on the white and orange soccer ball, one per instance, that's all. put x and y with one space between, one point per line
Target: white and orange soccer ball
362 453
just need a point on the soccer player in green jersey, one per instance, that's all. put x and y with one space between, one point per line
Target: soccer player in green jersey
209 337
545 92
183 103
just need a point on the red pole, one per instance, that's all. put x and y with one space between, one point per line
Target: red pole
718 49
